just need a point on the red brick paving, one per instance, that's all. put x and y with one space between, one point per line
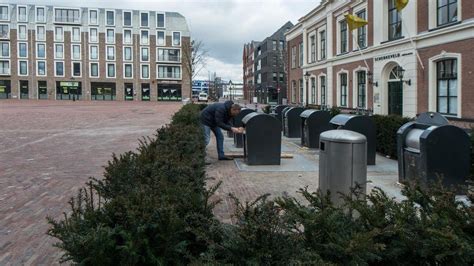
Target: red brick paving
48 150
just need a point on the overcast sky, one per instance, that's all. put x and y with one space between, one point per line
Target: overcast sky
223 25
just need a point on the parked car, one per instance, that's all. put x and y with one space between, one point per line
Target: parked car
203 97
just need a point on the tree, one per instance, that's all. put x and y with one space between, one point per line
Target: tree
194 58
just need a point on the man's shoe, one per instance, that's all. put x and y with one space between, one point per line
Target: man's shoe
225 158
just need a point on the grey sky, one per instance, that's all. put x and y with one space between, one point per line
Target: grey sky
223 25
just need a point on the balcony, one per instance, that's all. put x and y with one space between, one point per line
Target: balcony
169 58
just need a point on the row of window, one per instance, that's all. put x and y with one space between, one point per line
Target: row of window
276 77
73 16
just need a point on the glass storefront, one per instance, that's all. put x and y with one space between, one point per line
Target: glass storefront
103 91
42 90
169 92
5 89
24 89
68 90
128 92
145 92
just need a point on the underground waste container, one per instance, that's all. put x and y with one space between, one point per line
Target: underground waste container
360 124
277 112
313 123
237 122
283 118
342 163
429 148
292 122
262 139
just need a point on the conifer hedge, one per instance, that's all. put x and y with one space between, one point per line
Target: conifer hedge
152 207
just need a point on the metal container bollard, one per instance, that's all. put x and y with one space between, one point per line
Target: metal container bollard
278 111
313 123
283 118
292 122
342 163
239 138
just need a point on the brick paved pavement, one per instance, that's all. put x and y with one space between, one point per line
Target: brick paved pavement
49 149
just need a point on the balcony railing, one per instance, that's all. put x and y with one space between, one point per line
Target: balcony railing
169 58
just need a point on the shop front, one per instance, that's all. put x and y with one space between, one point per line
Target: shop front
145 92
24 91
128 91
169 92
5 89
68 90
42 90
103 91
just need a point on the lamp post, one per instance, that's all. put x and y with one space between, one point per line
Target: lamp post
401 74
306 77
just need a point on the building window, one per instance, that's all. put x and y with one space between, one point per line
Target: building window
76 34
293 57
110 70
313 90
4 67
362 31
4 13
127 18
76 52
160 38
59 51
301 91
41 68
93 17
322 36
282 45
127 37
293 89
110 36
93 35
23 68
110 53
169 72
66 15
168 55
4 31
274 45
58 34
128 70
313 48
40 33
447 11
160 20
343 84
22 50
127 53
323 90
301 55
282 77
41 50
59 69
343 36
394 22
40 15
259 78
145 55
144 37
5 49
76 69
275 77
94 52
447 83
94 70
145 71
22 14
361 89
22 32
176 38
110 18
144 19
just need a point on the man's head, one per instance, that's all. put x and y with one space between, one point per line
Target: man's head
235 110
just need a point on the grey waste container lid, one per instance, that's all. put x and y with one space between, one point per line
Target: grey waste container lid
342 136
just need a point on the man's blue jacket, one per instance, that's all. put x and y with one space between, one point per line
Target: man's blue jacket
217 115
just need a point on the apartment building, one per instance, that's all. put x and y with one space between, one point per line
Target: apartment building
69 53
402 63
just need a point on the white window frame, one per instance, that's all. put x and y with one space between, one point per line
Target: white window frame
105 18
164 20
72 52
45 14
107 70
124 76
310 59
141 71
164 38
140 18
19 67
131 48
107 53
141 39
45 50
107 36
18 52
18 32
97 30
71 8
355 39
318 41
36 33
9 13
131 36
338 36
55 69
8 31
55 35
58 44
180 39
45 68
9 49
18 13
72 68
123 18
168 48
90 53
320 89
141 54
9 67
89 17
433 14
72 34
180 71
338 88
355 86
90 70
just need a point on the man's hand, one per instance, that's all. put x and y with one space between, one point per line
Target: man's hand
238 130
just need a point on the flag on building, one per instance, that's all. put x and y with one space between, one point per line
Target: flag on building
354 22
401 4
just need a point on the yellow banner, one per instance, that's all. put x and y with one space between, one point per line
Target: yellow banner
354 22
401 4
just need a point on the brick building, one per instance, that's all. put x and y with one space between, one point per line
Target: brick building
49 52
376 67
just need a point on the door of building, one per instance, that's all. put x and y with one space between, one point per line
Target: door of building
128 92
5 89
42 90
395 98
145 92
68 90
24 89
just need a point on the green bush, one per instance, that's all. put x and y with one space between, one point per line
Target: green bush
387 127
